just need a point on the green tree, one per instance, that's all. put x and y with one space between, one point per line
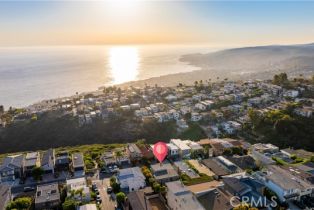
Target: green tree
254 117
163 189
227 152
121 197
280 79
20 203
156 187
118 154
115 186
37 173
69 204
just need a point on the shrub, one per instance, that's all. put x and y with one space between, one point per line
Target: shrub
121 197
20 203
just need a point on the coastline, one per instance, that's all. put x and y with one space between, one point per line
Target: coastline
261 62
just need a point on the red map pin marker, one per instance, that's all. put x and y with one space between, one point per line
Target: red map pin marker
160 151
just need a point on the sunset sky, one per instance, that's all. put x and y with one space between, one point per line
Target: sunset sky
218 23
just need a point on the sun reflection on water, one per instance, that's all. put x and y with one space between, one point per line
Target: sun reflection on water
124 64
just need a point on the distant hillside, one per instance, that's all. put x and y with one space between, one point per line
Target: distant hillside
261 62
251 60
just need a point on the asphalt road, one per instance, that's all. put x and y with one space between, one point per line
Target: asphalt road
107 202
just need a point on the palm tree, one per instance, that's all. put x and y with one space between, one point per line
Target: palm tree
79 192
118 155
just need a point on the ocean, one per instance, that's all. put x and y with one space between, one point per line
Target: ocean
32 74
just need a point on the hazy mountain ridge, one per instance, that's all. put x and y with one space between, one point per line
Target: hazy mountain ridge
261 62
256 59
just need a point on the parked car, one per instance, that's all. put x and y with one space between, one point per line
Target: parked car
113 196
94 187
29 189
109 190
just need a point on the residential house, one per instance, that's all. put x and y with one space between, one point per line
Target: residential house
196 149
174 114
220 145
204 142
146 151
255 102
291 93
185 110
131 179
248 187
78 166
31 161
203 188
298 152
235 125
304 111
217 114
182 125
48 161
145 199
5 195
140 113
173 151
232 168
164 172
215 130
275 178
179 197
124 159
134 153
215 198
47 196
62 161
262 153
109 159
161 117
244 162
215 167
135 106
231 127
171 98
184 150
11 168
200 106
78 184
195 116
125 108
154 108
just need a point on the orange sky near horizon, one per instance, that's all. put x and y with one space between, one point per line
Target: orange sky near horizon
219 24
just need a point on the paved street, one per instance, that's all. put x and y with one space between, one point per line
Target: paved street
107 202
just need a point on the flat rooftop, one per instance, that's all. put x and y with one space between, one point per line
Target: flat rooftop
201 168
204 187
31 155
285 179
46 193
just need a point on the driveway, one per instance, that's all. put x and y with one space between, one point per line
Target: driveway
107 202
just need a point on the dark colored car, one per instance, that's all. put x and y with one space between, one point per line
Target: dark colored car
29 189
